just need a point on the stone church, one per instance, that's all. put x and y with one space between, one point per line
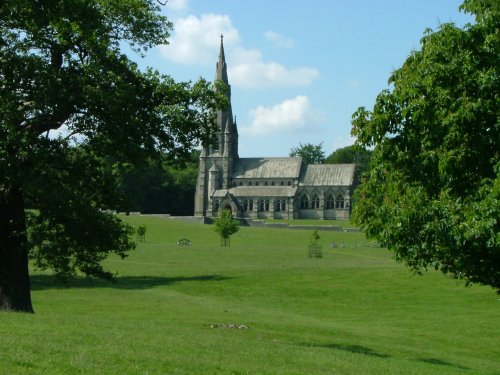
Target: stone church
266 187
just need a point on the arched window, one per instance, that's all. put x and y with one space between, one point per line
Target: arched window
283 205
266 205
250 205
261 205
339 202
315 201
329 203
277 205
304 202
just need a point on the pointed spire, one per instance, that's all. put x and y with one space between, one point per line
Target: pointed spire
221 69
222 57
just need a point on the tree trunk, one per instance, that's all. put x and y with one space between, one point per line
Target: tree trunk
15 294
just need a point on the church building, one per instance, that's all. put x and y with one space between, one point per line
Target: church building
266 187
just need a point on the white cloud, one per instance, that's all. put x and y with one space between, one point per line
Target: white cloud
247 69
196 39
177 5
279 40
289 115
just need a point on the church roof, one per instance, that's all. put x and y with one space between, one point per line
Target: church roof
267 168
260 191
328 175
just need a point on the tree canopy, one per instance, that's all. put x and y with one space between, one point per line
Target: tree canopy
311 154
62 68
149 187
432 194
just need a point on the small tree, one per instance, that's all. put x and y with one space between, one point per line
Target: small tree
141 233
225 225
315 249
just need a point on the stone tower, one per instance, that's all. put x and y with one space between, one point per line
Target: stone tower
217 160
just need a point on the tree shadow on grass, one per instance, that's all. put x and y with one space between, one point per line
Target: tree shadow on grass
358 349
440 362
41 282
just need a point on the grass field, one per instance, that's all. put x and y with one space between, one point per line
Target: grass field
354 311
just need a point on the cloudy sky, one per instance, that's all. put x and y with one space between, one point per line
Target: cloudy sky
298 69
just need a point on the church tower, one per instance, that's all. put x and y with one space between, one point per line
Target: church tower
217 160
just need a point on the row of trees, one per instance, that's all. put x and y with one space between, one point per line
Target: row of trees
157 185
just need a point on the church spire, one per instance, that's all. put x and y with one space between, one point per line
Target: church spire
221 70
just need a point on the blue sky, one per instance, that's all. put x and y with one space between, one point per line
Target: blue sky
298 69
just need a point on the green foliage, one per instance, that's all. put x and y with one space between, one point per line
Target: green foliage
62 68
141 233
313 240
150 185
351 154
310 154
432 194
354 312
226 226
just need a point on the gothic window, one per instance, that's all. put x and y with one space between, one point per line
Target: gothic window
283 205
250 205
265 183
261 205
256 183
249 183
329 203
289 183
339 202
315 201
281 183
245 205
272 183
304 202
277 205
266 205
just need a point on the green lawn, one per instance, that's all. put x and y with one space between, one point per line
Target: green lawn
313 222
354 311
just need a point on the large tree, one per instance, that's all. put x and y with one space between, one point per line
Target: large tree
433 192
61 67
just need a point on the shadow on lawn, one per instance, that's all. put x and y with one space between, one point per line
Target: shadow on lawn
348 348
435 361
40 282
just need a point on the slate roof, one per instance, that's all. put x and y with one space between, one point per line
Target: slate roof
267 167
327 175
260 191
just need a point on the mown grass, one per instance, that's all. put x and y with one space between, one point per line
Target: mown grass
354 311
313 222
